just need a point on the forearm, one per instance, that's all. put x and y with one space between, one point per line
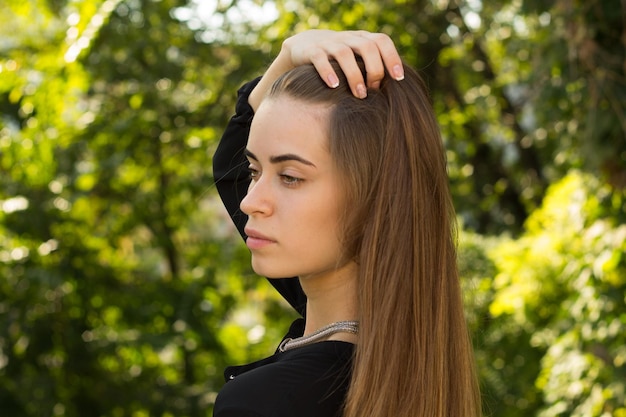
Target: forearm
279 66
229 162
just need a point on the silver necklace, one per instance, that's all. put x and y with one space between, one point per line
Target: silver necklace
337 327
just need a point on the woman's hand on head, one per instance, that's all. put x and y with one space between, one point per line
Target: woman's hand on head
319 47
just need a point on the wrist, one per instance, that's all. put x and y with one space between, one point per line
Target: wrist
281 64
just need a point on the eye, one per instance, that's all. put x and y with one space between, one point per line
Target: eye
290 181
253 173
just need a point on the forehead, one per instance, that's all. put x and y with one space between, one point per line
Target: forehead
287 124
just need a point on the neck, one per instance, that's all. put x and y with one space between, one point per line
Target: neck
331 297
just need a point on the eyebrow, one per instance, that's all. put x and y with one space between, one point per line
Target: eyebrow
282 158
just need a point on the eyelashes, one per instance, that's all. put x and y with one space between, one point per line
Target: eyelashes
287 180
290 181
253 173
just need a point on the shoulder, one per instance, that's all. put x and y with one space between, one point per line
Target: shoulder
309 381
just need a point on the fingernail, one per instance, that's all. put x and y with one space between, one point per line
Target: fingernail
361 91
375 85
398 73
333 80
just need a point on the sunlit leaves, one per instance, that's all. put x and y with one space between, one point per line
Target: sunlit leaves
560 282
104 170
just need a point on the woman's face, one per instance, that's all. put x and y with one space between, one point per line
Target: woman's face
294 200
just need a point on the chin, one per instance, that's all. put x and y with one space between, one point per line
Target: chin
270 273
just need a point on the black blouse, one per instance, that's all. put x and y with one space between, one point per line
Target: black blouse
310 381
304 382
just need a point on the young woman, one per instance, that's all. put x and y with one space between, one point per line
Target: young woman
334 172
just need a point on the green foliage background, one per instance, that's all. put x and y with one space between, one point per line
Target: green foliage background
124 291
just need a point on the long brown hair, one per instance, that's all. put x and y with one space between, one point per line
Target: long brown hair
414 356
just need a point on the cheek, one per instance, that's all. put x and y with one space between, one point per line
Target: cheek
331 219
315 218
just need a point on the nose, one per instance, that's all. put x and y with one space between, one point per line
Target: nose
258 200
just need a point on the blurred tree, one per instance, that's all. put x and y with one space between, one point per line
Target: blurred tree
549 329
119 280
563 286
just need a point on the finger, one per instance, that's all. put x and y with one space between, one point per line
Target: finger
344 54
370 53
320 60
353 43
388 53
377 51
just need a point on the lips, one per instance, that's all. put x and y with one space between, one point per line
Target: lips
257 240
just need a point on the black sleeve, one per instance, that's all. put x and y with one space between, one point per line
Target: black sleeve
232 180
